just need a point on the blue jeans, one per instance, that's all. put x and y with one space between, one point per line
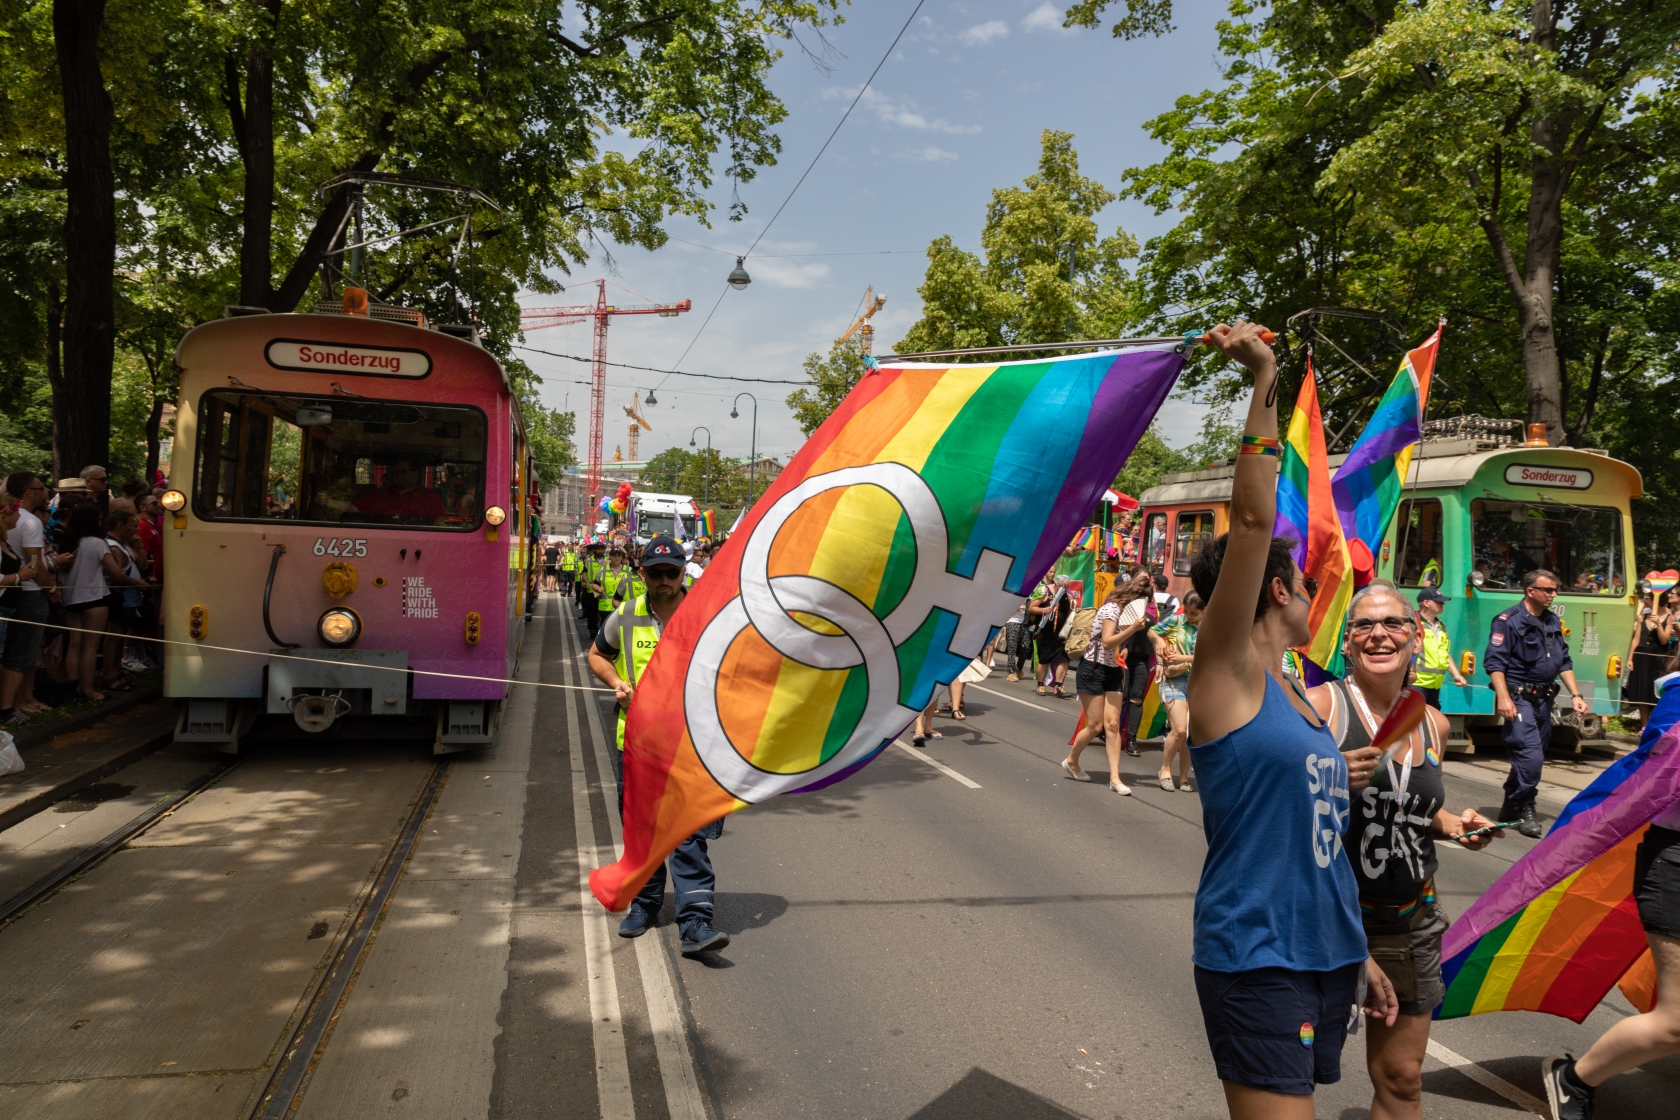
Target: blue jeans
690 868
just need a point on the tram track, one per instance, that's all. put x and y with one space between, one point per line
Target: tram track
38 891
308 1040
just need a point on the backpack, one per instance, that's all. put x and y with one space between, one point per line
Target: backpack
1079 632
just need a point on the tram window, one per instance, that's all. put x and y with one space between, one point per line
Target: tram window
267 457
1155 542
1582 545
1193 532
1417 537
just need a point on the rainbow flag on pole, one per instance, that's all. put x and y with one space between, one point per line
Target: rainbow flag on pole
1367 484
875 568
708 525
1561 926
1306 512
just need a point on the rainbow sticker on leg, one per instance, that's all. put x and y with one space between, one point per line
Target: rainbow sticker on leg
1307 1035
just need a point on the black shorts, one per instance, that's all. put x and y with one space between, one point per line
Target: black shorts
1094 679
1656 881
1275 1029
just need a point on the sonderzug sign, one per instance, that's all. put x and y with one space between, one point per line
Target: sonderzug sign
332 357
1533 474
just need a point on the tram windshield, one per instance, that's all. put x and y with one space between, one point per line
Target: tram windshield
338 461
1582 545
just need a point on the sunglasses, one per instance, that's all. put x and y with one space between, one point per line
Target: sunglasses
1544 590
1395 625
662 573
1310 586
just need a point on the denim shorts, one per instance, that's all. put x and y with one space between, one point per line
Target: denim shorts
1172 689
1276 1029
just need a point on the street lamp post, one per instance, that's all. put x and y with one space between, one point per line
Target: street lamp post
706 494
752 464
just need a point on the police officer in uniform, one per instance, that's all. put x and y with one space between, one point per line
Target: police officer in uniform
1526 654
619 657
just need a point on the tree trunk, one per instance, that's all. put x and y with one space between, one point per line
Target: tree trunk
257 148
55 365
1547 182
82 404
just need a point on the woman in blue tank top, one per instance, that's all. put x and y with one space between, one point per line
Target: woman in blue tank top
1279 950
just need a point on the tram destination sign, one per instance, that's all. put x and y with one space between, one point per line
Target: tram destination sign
334 357
1534 474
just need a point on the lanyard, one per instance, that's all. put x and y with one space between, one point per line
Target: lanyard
1405 777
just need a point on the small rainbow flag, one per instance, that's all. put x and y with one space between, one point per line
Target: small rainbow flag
880 562
1306 513
1085 537
1561 926
1367 484
708 524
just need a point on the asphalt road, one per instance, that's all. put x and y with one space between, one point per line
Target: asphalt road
907 946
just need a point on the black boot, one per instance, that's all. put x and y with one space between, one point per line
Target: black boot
1530 825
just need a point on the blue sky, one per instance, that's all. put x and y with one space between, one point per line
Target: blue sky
956 112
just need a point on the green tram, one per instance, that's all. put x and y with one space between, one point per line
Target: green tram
1480 508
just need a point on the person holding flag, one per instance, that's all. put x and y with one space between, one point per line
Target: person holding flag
1398 813
1278 947
619 658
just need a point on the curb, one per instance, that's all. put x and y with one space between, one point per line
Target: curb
75 783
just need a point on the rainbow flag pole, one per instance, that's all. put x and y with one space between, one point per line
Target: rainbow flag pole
1307 514
1367 485
880 562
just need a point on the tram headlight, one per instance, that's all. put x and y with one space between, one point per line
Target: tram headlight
339 626
1477 579
495 515
173 500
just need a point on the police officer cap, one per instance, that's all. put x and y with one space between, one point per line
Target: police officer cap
1430 595
663 550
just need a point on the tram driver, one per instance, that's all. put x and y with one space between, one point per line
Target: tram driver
399 495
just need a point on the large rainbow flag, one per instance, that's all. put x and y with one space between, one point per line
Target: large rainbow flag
1367 484
909 527
1306 512
1561 926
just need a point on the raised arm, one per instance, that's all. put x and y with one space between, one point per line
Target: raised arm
1230 681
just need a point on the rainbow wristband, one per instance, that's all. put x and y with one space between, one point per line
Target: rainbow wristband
1259 445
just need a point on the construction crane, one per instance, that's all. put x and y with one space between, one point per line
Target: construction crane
865 333
636 418
537 318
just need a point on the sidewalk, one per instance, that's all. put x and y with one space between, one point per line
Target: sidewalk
1561 778
79 749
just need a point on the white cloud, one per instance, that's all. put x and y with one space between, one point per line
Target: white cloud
782 272
929 154
986 32
1045 17
904 113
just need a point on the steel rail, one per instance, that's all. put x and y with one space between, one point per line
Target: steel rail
40 889
302 1051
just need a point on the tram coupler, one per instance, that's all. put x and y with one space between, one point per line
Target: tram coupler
218 721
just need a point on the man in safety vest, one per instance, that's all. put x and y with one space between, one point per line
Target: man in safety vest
619 657
594 573
1434 660
568 566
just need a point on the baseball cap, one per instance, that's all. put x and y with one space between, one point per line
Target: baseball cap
662 550
1430 595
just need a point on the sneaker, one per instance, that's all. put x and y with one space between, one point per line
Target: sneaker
636 923
703 939
16 719
1570 1099
1530 825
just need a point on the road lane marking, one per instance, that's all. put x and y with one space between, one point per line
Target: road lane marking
1017 699
683 1100
612 1064
1485 1079
937 765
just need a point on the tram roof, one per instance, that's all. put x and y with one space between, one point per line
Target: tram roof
1438 465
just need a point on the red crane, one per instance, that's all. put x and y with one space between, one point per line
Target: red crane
536 318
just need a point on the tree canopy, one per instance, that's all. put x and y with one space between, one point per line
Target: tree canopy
832 375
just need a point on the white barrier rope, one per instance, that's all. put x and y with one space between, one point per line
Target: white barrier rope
295 657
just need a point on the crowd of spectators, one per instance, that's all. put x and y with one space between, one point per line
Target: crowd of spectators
80 571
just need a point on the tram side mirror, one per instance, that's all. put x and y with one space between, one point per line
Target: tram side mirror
314 415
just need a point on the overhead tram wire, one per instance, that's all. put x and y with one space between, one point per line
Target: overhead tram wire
657 369
813 164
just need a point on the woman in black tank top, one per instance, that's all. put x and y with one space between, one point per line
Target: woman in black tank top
1396 818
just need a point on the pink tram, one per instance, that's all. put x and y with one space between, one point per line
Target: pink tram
350 506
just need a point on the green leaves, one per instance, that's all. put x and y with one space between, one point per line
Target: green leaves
1048 275
834 374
